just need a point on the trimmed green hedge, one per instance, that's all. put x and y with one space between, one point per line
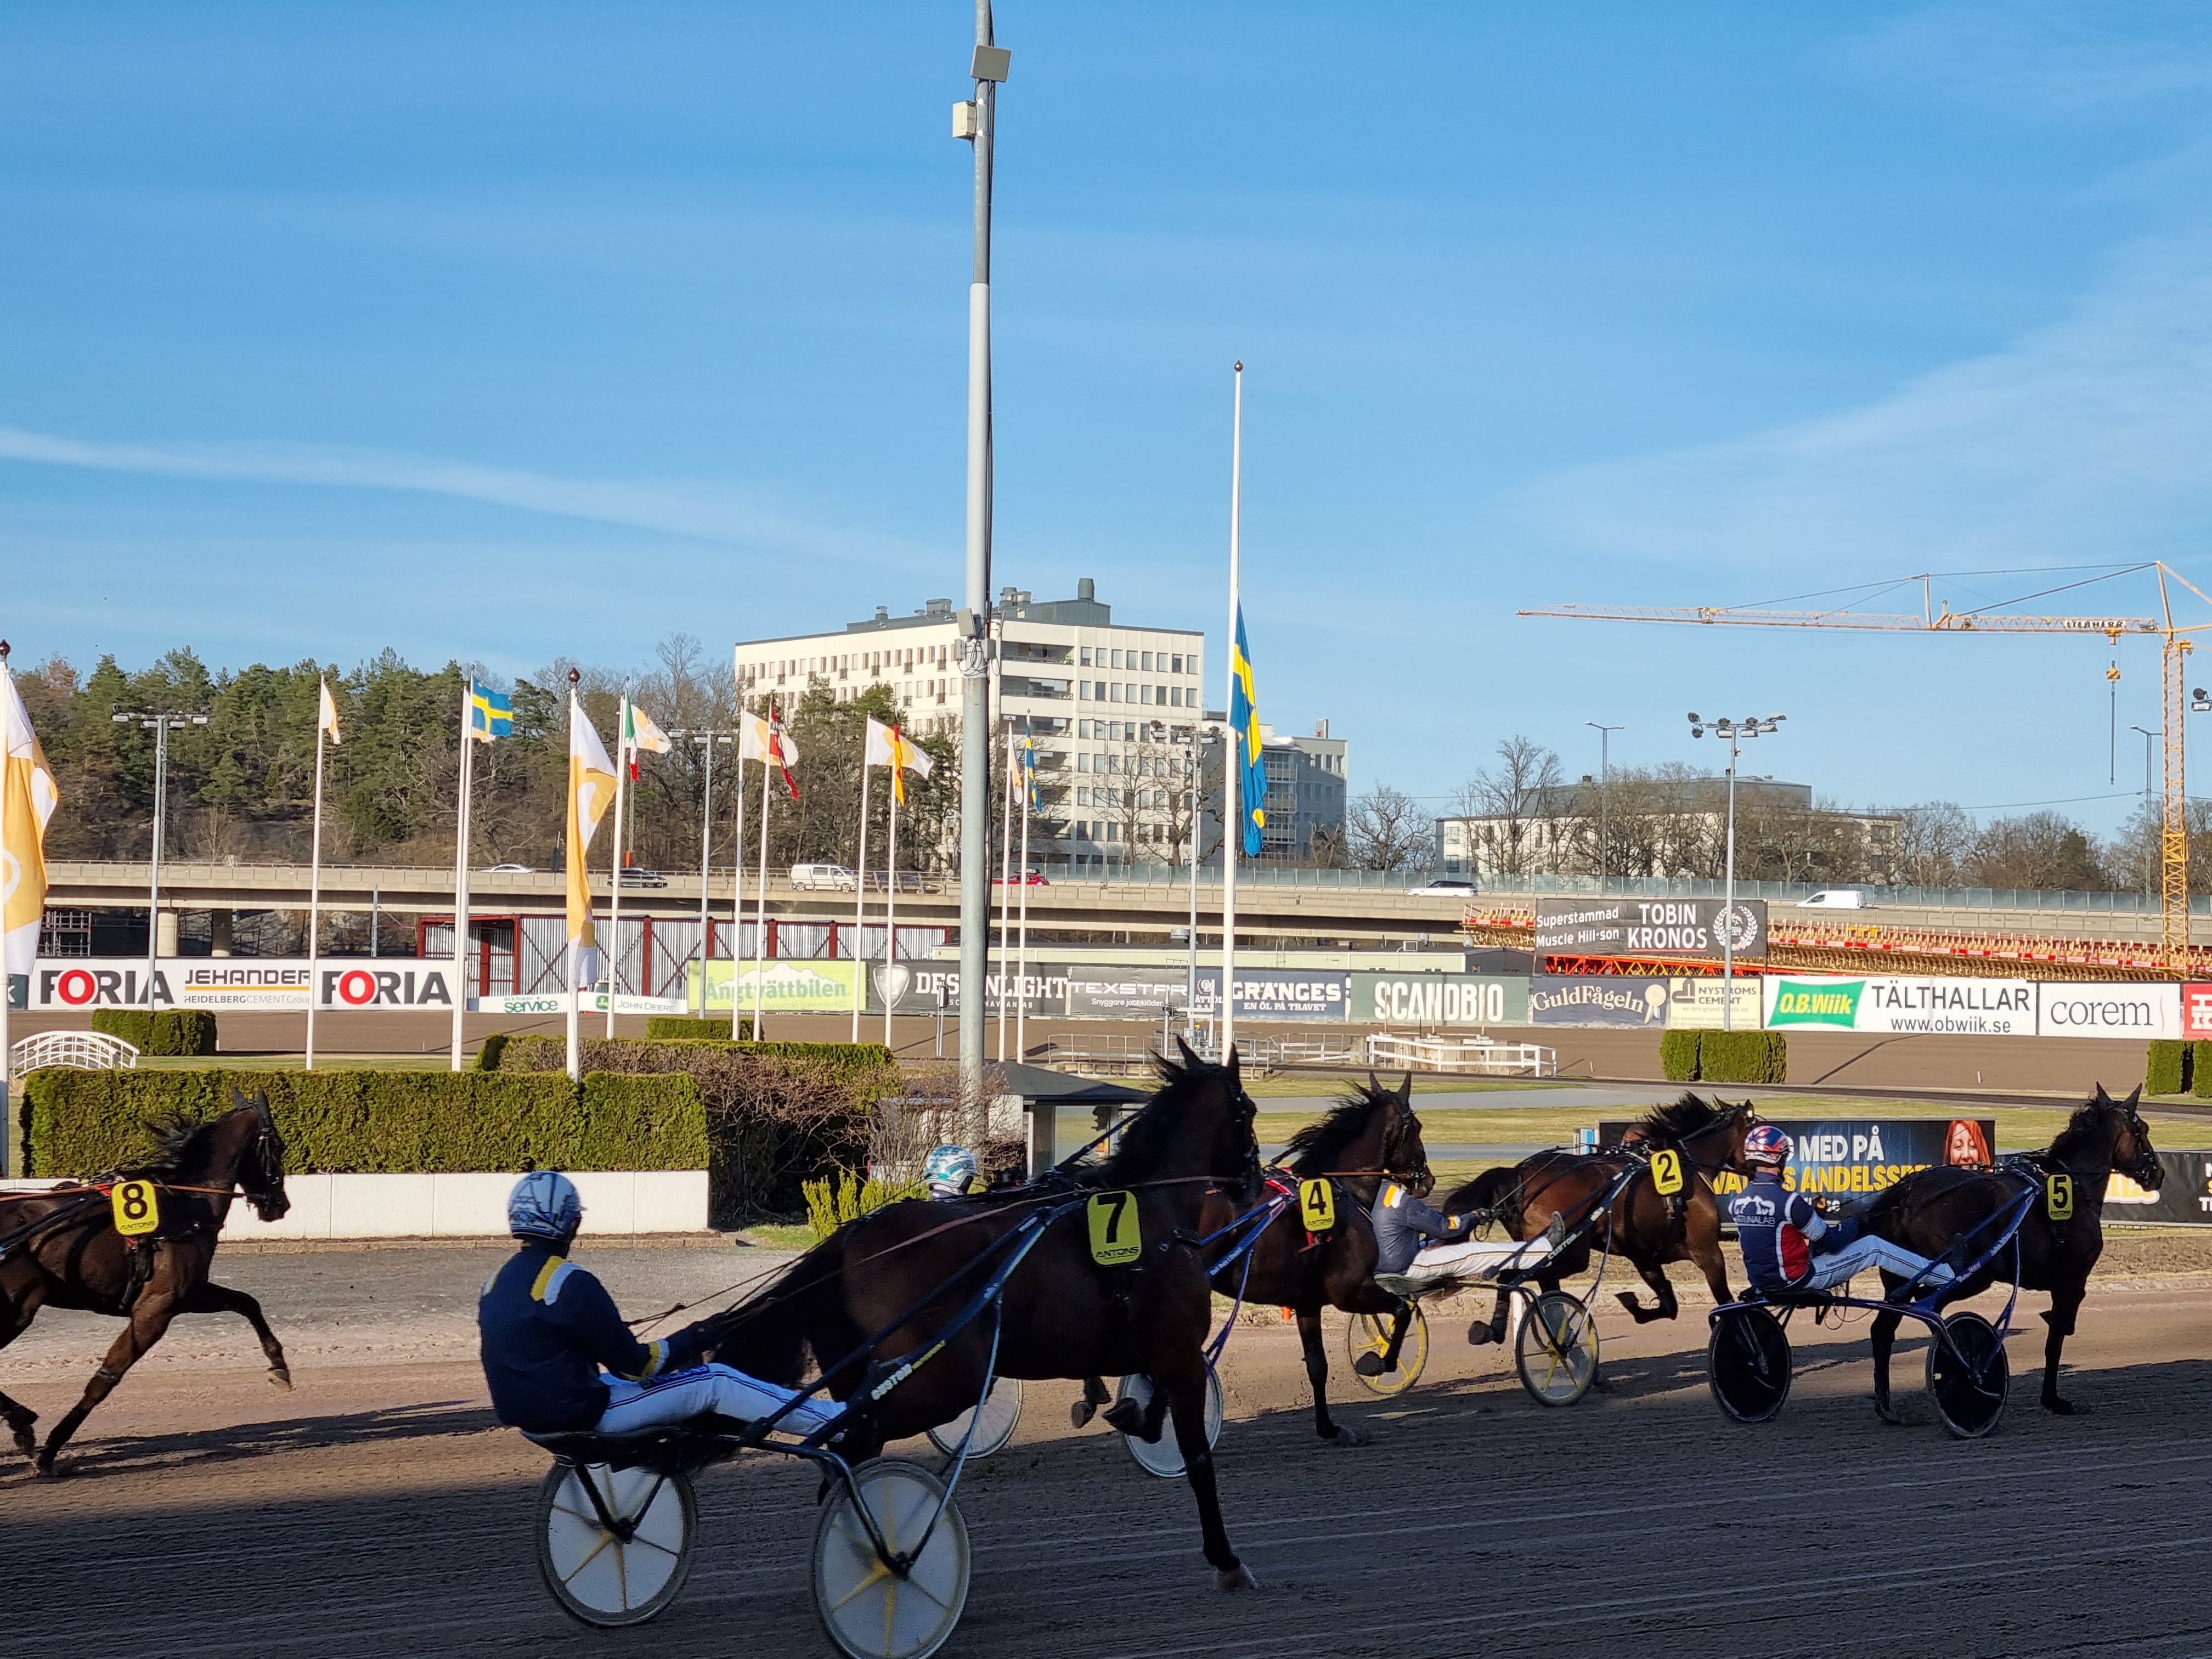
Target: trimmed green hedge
662 1028
1744 1057
2200 1070
2169 1069
487 1058
80 1123
1677 1056
550 1053
169 1031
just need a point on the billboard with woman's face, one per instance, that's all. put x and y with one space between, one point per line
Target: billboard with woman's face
1966 1143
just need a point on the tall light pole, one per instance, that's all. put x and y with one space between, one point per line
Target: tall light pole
160 724
706 739
2149 867
976 122
1604 780
1737 732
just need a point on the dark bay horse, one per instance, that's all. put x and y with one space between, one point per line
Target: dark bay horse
1940 1209
894 1275
1644 1226
1371 1132
61 1249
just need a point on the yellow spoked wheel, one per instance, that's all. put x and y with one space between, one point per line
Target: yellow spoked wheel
1556 1349
870 1609
622 1574
1370 1335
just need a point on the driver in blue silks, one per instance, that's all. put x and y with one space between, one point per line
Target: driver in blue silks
1788 1245
548 1328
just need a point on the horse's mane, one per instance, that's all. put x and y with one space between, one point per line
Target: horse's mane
1314 1148
1678 1120
2087 1123
1143 1139
176 1136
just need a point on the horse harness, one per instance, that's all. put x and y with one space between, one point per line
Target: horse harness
142 1250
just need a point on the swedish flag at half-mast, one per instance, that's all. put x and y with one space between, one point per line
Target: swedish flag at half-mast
1244 721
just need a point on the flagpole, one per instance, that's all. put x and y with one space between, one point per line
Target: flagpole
1225 1001
736 886
315 880
860 888
890 895
614 904
760 894
462 979
1022 951
11 1133
579 857
1005 889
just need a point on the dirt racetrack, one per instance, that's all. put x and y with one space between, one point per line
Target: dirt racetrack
378 1510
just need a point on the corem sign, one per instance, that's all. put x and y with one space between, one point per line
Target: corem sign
1696 928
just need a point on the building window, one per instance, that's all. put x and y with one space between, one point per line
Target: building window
1113 689
1147 664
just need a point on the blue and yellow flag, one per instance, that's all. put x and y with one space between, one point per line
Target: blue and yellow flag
1029 768
491 713
1244 721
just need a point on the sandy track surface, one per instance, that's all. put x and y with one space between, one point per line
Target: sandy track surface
378 1510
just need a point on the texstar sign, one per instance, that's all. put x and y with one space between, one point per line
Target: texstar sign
242 983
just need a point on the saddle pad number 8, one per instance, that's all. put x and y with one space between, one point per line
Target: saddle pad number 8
2058 1197
136 1209
1666 1171
1115 1237
1318 1204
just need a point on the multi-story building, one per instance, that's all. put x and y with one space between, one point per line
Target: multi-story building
1103 700
1307 788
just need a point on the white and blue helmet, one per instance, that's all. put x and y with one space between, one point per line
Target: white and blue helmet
545 1205
949 1171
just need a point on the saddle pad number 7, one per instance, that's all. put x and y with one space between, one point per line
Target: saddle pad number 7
1666 1171
1114 1234
1318 1204
136 1209
2058 1197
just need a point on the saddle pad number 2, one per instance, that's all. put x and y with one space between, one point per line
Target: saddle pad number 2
1318 1204
136 1209
1666 1171
1114 1233
2058 1197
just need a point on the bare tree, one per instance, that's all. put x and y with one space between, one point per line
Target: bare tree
2036 849
1516 801
1387 831
1933 841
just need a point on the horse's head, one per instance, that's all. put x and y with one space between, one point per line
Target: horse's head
1712 1132
1402 1152
1214 1103
2132 1154
260 1160
1371 1131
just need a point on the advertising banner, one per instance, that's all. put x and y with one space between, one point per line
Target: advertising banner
1697 1005
1113 992
1279 993
1649 928
595 1002
1594 999
258 984
796 986
2183 1199
2108 1009
915 986
1988 1007
1847 1155
1472 999
2197 1012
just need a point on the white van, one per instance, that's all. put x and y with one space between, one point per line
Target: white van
835 878
1835 898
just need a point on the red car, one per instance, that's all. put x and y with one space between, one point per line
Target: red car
1026 878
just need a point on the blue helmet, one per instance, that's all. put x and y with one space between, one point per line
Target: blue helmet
545 1205
949 1171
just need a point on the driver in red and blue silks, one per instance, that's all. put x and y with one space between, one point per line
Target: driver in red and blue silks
1788 1245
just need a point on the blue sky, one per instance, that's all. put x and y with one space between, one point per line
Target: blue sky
511 332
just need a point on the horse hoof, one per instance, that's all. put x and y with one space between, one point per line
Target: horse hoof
1599 1380
1127 1416
2058 1407
1479 1334
1370 1365
44 1469
281 1378
1347 1435
1887 1415
1081 1413
1238 1577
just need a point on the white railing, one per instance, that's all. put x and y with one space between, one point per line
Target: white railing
1474 1056
82 1051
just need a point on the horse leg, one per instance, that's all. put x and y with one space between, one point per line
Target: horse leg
1493 1329
1181 1382
1317 1375
1094 1396
19 1418
1656 1276
211 1297
2064 1304
1885 1331
149 1320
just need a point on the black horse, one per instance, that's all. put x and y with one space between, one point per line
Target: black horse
1946 1209
61 1248
872 1301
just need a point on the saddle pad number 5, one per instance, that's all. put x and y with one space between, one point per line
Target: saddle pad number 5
2058 1197
1114 1233
1666 1171
1318 1204
136 1209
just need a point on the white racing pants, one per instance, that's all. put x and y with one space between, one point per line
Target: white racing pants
678 1394
1867 1251
1475 1258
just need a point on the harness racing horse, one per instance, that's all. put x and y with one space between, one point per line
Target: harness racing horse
1647 1227
1373 1133
61 1248
1946 1209
884 1289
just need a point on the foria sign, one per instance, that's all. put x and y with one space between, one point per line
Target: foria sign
361 987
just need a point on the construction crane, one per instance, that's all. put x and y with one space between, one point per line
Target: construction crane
1936 616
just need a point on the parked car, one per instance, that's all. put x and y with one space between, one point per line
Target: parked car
1835 898
632 876
1023 878
1442 884
512 869
832 878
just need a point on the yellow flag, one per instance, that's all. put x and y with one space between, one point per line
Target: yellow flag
326 717
591 792
31 798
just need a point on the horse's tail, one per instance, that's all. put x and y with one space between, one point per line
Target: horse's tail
769 1334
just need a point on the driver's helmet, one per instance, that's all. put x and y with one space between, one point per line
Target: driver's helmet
545 1205
1766 1145
949 1171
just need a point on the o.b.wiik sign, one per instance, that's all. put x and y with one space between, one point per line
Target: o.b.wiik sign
1706 928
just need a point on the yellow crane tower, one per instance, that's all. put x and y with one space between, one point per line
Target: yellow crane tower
1938 617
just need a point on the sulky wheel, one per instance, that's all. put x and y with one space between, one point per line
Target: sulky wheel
625 1574
1163 1456
994 1421
1968 1374
1556 1349
1370 1333
1748 1364
895 1609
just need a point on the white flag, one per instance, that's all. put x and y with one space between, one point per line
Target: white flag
31 800
878 751
591 792
327 719
753 735
639 732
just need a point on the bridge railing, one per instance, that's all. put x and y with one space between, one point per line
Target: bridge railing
81 1051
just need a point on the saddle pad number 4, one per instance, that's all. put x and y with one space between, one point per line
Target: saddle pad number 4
1114 1234
136 1209
2058 1197
1318 1204
1666 1171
